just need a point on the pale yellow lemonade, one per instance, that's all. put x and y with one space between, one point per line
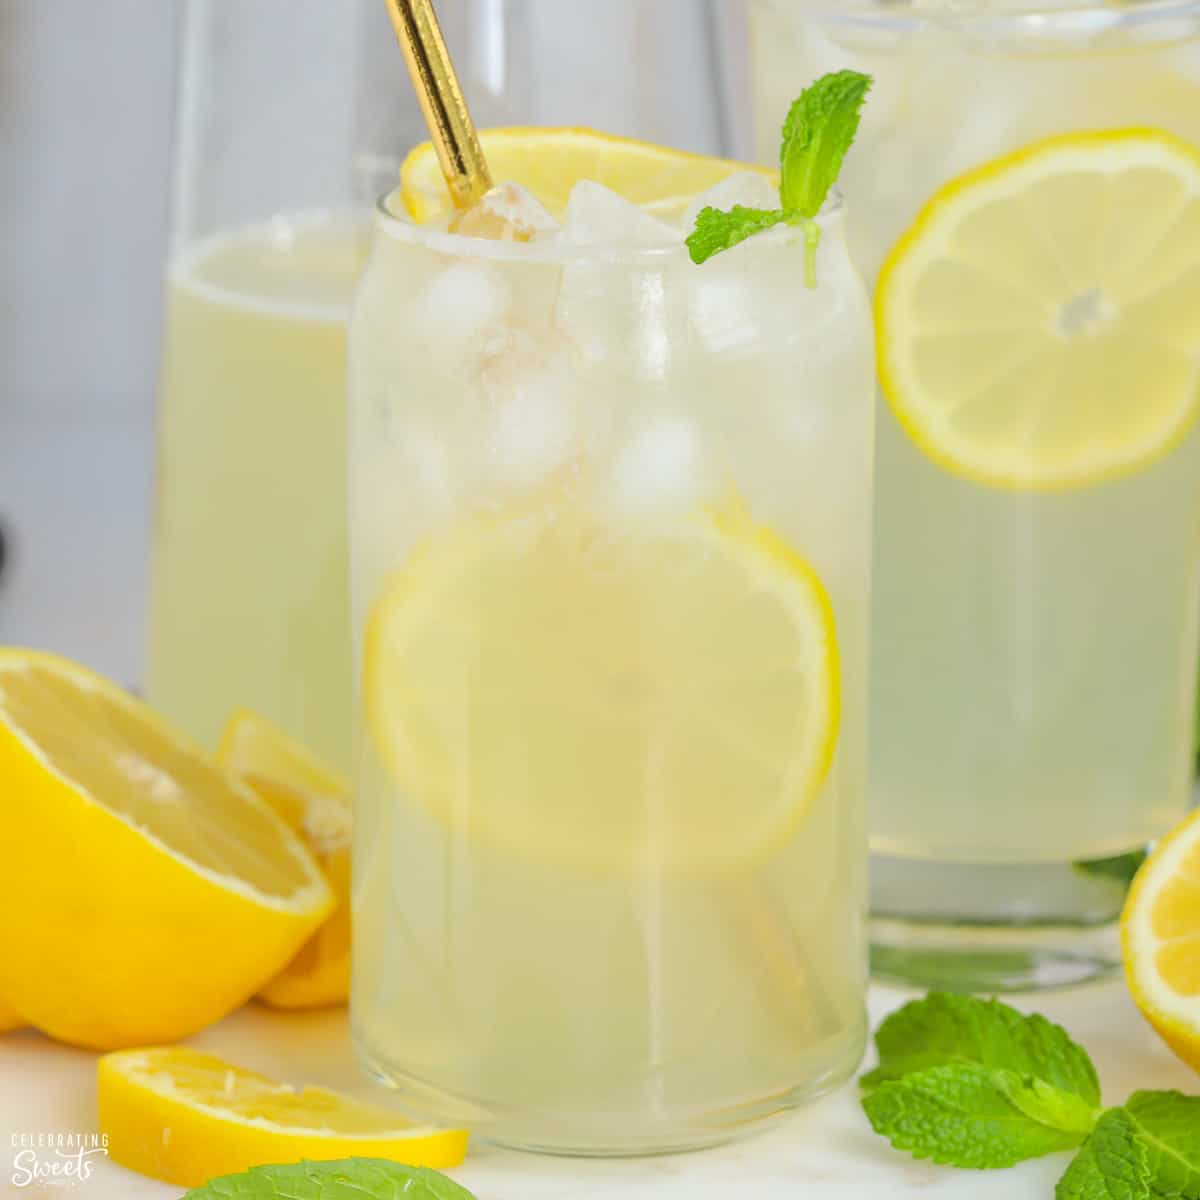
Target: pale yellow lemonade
1033 643
249 601
610 548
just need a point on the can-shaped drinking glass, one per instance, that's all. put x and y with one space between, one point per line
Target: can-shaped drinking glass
610 542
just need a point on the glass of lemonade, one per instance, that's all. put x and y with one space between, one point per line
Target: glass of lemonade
610 525
1028 204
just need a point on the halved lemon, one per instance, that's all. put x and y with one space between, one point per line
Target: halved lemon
184 1117
315 802
618 698
8 1018
549 162
1039 326
1160 933
148 893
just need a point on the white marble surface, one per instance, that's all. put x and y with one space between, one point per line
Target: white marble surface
824 1152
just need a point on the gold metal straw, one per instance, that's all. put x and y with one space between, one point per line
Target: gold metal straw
441 99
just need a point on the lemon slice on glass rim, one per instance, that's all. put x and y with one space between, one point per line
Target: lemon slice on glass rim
549 162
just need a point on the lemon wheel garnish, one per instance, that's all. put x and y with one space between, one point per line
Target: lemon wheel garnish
178 891
549 162
1160 933
315 802
612 698
1038 327
185 1117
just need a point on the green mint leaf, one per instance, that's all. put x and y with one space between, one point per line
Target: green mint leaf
1114 1164
717 230
819 129
1168 1124
945 1028
1046 1104
1121 868
972 1116
346 1179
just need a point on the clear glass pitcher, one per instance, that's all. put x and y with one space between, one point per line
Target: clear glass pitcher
293 117
1036 570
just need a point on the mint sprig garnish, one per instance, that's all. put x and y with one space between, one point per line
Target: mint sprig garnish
819 130
974 1083
820 127
718 230
345 1179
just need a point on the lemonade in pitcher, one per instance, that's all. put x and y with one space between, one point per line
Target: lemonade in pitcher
1029 213
249 593
610 525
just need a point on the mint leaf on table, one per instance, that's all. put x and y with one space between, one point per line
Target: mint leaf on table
345 1179
1168 1123
1113 1165
1120 868
966 1115
818 132
945 1028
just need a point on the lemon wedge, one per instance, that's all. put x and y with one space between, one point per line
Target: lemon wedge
1160 934
315 802
149 893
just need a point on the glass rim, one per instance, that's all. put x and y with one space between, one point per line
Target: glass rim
402 228
1031 16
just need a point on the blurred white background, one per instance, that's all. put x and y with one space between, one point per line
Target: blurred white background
88 96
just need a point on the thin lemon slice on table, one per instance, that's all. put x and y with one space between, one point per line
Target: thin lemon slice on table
549 162
1160 933
1039 325
315 802
148 892
185 1117
608 697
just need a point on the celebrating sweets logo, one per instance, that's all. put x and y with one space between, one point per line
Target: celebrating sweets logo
56 1159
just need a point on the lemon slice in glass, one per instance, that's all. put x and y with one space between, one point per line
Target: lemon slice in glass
661 697
1039 325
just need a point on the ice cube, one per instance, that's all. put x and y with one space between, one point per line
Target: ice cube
529 418
750 189
723 311
624 316
598 216
508 213
462 305
661 467
426 464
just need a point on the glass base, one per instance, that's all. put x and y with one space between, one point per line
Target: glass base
967 927
605 1135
